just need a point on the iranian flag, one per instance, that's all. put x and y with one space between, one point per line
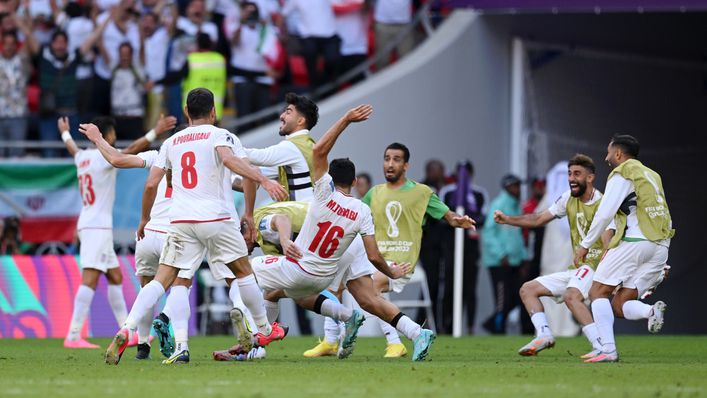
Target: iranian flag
44 196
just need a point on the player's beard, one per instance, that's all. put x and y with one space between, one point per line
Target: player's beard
394 178
581 189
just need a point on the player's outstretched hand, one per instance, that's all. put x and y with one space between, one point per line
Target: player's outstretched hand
291 250
499 217
276 191
359 113
164 124
90 130
579 255
63 124
399 270
465 222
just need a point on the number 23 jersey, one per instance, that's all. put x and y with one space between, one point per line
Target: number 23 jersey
97 188
332 222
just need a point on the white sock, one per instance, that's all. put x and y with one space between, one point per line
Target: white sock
604 319
117 303
145 300
144 326
391 334
542 329
272 309
331 331
82 303
234 294
339 312
181 346
408 328
635 310
253 299
592 334
179 298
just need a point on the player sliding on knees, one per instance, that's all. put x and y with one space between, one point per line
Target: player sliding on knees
147 254
200 218
578 204
333 221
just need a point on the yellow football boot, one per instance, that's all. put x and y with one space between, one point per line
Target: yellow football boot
323 349
395 351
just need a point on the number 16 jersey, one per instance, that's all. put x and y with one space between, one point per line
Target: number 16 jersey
332 222
198 190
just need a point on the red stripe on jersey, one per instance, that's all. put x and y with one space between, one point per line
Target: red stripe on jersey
155 230
199 221
292 260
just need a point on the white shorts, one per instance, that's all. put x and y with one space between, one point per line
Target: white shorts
353 264
278 273
188 243
633 265
558 282
97 249
148 251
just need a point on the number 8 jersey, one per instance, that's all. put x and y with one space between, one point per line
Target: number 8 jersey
199 193
332 222
97 187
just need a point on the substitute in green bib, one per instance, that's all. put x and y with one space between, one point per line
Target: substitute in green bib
205 68
399 208
578 204
636 264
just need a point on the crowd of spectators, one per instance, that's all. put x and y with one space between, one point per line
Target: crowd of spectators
133 59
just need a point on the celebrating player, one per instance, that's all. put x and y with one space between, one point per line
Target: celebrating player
200 217
579 204
636 193
95 226
399 209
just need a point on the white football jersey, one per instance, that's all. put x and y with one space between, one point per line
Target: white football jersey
200 193
97 186
332 222
159 216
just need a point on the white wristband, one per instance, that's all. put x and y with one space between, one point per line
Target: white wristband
151 136
65 136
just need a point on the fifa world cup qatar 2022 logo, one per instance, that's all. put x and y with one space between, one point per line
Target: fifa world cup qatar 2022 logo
393 211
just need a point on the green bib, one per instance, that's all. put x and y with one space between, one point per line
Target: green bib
580 216
304 143
208 70
296 211
651 207
398 216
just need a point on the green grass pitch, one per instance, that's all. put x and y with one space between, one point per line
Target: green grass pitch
651 366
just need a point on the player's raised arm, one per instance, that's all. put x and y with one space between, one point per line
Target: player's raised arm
242 167
525 221
164 124
282 224
63 125
113 156
321 149
393 271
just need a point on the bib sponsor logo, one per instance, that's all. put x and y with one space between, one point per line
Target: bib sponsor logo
582 225
393 211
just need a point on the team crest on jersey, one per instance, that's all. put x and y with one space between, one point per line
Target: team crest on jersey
393 211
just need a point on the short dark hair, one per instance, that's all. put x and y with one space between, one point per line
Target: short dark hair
400 147
126 44
10 33
584 161
342 172
627 143
200 101
305 106
58 33
203 41
366 177
104 123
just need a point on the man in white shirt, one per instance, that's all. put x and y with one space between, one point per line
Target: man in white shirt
391 18
95 227
317 29
201 219
153 55
195 21
635 198
352 23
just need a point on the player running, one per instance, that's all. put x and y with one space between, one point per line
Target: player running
400 207
200 218
95 226
578 204
635 193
